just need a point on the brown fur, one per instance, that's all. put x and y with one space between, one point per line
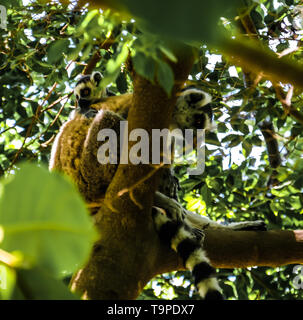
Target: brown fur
118 104
74 151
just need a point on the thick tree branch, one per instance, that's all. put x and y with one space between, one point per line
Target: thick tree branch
225 248
127 254
242 249
249 55
239 249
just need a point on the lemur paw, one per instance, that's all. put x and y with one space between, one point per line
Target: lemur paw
172 231
199 234
172 208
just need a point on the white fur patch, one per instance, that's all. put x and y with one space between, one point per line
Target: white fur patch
160 219
196 257
203 102
96 92
181 235
206 285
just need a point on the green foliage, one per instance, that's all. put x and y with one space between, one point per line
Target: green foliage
36 284
47 45
44 220
194 21
148 52
7 282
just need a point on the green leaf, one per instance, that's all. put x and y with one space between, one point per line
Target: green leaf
7 282
299 182
11 3
206 195
189 184
145 66
40 66
169 54
257 19
256 141
212 138
113 66
234 139
35 284
247 147
89 17
222 127
295 202
56 50
165 76
194 20
280 193
44 217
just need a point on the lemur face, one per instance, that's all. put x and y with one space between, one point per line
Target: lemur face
87 90
193 110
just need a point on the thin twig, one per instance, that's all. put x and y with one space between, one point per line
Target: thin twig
35 118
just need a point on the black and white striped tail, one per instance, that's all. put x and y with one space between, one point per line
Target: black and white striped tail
187 242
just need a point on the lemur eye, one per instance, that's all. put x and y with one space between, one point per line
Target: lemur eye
85 92
196 96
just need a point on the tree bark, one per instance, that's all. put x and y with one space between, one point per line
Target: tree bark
240 249
126 256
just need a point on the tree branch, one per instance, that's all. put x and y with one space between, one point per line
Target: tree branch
272 146
105 45
285 99
248 54
127 254
240 249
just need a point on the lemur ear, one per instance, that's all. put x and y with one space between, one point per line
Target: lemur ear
96 77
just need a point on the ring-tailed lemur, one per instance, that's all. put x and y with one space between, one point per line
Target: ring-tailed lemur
192 108
180 229
87 92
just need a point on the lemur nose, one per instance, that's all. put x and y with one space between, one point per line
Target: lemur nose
195 97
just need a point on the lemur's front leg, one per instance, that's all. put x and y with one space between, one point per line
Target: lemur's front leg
173 209
201 222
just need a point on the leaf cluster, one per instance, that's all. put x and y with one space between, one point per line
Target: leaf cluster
45 48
